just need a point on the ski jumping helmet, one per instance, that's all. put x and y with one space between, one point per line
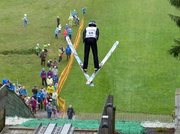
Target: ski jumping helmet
92 23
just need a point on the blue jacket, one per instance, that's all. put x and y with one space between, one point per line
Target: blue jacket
24 91
41 96
67 27
55 79
50 73
84 9
73 13
56 31
43 74
70 32
11 87
68 50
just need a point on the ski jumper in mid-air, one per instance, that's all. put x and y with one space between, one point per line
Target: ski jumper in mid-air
90 38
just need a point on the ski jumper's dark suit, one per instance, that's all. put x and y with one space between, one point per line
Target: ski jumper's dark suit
90 37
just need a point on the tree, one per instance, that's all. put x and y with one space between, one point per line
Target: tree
175 50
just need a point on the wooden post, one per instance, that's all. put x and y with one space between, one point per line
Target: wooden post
113 120
177 111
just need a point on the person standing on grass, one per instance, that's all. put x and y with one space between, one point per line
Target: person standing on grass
65 33
55 70
90 38
55 63
68 52
34 104
50 89
45 47
25 20
35 90
49 110
67 27
60 54
55 86
37 49
73 14
54 98
49 81
70 112
43 76
49 98
40 99
58 21
49 73
43 57
70 33
56 33
45 93
84 10
55 79
59 27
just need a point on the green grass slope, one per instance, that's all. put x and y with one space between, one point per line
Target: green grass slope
140 73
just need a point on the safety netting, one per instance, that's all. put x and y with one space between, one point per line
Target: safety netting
131 127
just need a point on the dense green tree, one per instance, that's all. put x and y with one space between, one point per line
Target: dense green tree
175 50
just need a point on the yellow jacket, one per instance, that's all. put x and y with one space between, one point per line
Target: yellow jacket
50 89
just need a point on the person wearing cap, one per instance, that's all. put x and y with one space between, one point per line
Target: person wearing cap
68 52
23 91
84 10
37 49
43 57
74 13
49 73
49 80
40 99
34 90
8 84
70 33
90 38
25 20
58 21
56 33
43 76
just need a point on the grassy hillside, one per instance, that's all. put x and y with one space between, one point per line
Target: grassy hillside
140 73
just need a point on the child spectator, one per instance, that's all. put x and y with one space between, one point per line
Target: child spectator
65 34
70 33
77 20
34 103
84 10
45 46
56 33
45 103
55 112
37 49
19 89
55 86
59 28
60 54
25 20
67 27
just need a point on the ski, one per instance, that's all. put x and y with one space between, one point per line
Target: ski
103 61
78 59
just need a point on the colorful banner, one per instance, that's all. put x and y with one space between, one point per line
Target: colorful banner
64 74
